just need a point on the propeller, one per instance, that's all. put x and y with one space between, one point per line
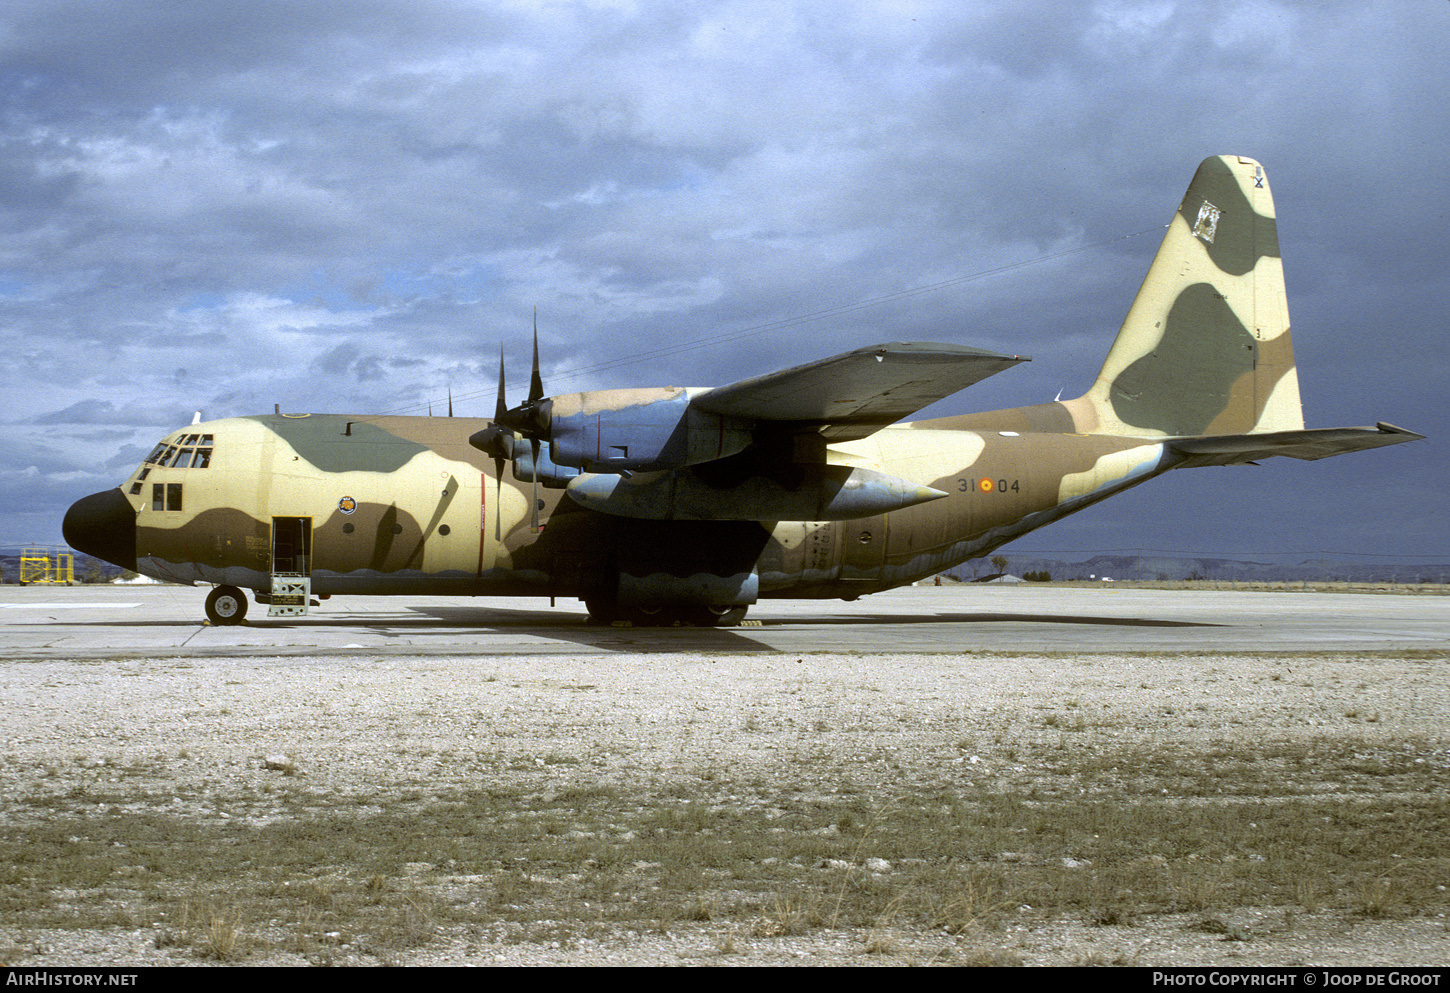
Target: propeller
530 419
496 441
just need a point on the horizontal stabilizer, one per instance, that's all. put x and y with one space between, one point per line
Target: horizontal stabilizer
854 394
1239 449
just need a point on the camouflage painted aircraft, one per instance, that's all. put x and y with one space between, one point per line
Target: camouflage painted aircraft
686 505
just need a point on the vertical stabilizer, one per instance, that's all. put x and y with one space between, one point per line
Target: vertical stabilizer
1205 349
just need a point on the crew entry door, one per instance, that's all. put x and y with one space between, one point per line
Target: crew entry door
291 566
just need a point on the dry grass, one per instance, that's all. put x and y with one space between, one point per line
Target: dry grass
1109 837
839 816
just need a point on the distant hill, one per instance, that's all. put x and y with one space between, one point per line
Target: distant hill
1159 568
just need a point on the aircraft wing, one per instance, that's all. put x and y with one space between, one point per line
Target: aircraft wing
1239 449
854 394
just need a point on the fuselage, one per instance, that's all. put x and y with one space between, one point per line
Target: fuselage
397 505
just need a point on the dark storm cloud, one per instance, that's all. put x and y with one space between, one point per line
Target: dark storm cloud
106 412
381 192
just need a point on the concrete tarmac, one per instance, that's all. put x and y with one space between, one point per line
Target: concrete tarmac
168 621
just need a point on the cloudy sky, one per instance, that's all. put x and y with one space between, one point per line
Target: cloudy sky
222 206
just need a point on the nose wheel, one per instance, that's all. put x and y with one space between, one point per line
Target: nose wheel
226 605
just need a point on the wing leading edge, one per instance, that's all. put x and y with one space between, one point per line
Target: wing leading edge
855 394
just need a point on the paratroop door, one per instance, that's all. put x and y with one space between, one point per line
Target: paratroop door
291 566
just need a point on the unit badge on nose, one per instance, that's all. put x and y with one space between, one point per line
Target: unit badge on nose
347 505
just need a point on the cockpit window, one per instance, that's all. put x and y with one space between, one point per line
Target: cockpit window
191 452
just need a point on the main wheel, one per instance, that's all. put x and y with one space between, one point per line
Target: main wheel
226 605
602 611
609 612
649 617
714 616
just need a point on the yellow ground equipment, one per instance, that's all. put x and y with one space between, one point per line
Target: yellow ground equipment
42 565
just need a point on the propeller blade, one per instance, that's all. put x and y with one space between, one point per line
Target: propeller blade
501 407
498 498
536 384
532 417
534 503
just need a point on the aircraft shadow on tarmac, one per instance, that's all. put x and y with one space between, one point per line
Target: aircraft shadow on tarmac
417 623
575 628
424 618
496 618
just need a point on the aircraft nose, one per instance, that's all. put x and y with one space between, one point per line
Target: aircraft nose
103 525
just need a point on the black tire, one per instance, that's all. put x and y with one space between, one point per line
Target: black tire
649 617
610 612
715 616
226 605
603 612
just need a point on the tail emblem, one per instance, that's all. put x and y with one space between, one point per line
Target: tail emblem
1207 224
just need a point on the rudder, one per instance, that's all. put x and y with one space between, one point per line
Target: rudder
1205 348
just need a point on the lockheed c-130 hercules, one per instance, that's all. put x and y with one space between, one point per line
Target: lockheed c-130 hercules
687 505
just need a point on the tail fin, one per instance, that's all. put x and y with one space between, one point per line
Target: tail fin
1205 348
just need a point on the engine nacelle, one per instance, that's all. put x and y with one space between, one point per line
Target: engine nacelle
811 493
552 475
643 430
503 443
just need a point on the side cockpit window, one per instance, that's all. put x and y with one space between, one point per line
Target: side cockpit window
165 496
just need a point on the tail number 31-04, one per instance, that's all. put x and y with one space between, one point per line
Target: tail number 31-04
985 485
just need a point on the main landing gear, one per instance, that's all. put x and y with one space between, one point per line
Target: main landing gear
226 605
609 612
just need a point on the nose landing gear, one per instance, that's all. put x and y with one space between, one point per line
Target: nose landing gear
226 605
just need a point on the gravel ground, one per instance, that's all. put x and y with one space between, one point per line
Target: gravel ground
195 738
